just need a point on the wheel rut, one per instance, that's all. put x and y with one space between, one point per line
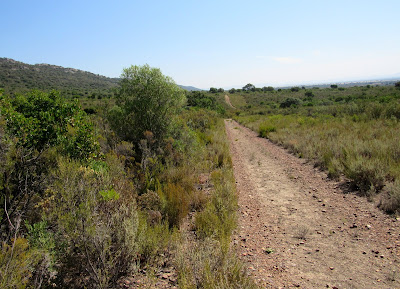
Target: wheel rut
297 229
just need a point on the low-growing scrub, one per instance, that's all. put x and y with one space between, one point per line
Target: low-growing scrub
206 264
89 199
355 136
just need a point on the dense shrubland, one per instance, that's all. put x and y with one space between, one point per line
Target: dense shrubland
346 131
90 197
18 77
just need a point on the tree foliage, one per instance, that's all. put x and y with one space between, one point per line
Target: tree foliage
203 100
34 124
40 120
288 102
309 93
146 101
268 88
249 87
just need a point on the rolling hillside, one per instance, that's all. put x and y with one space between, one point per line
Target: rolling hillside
16 76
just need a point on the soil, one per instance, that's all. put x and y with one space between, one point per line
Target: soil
299 229
228 101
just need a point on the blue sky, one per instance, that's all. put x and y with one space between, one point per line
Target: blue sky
210 43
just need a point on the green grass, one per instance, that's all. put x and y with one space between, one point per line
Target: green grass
351 132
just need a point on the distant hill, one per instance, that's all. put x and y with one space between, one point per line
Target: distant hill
190 88
17 76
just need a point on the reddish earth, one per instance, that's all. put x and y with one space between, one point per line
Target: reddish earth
228 101
299 229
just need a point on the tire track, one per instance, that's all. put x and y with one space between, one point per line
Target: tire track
296 227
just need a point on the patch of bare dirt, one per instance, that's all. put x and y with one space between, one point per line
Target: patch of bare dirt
298 229
228 101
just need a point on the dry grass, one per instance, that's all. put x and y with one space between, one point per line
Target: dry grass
365 150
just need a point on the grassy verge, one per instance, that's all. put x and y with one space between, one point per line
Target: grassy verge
358 139
207 260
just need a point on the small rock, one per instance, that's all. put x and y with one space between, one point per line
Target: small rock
331 268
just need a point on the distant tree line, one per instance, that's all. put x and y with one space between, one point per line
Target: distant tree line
216 90
247 88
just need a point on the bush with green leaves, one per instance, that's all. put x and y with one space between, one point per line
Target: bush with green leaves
95 225
146 101
40 120
17 263
36 125
288 102
203 100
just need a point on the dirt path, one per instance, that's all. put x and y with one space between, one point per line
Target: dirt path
228 101
298 229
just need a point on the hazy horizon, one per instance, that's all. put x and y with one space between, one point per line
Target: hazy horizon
212 43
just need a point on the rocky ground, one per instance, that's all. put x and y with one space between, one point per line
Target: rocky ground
299 229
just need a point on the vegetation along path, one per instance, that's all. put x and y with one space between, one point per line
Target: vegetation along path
298 229
228 101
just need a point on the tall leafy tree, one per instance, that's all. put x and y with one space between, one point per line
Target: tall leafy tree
249 87
146 101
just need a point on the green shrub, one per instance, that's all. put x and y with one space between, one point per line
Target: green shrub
208 265
367 176
95 235
265 129
17 263
390 200
175 203
40 120
288 102
147 101
218 219
152 240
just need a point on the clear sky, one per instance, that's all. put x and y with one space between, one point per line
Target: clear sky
210 43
